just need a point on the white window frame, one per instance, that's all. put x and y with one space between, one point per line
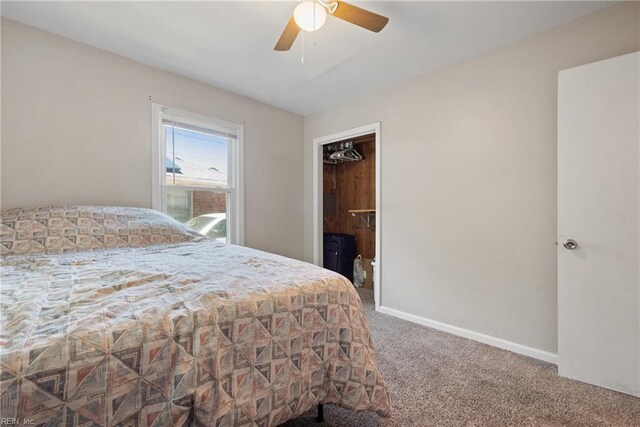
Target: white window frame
235 177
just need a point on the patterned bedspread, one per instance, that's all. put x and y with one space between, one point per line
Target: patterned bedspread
187 333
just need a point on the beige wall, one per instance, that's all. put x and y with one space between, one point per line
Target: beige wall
469 180
76 129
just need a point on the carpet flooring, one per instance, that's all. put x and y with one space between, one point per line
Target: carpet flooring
438 379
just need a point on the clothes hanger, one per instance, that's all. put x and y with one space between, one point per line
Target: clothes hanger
344 152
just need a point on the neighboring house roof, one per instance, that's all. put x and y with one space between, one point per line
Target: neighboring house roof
190 173
171 167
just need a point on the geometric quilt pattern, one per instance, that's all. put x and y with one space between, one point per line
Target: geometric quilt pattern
185 333
81 228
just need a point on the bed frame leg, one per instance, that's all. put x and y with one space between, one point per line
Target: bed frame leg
320 413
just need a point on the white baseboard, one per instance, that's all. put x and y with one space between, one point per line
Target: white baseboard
476 336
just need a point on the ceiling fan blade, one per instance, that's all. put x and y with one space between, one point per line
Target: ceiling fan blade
360 17
288 36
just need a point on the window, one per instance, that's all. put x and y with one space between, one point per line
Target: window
197 172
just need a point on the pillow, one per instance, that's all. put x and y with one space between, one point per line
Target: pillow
85 228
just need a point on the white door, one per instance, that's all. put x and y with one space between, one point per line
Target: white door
598 207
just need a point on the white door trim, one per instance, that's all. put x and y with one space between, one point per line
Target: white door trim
317 196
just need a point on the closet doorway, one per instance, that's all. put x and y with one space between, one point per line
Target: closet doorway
347 216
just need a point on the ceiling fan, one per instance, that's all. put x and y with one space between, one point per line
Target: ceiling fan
310 15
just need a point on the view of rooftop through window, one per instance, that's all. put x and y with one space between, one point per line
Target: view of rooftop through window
195 158
199 156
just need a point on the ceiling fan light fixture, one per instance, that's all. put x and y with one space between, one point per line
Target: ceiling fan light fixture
310 15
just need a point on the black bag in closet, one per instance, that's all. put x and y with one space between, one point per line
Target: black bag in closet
339 253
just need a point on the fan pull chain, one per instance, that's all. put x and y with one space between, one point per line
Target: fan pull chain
302 60
314 24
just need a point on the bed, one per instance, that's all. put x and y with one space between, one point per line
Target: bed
122 316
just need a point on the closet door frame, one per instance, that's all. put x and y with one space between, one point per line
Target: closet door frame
317 197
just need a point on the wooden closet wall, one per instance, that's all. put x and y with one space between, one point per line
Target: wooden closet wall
355 188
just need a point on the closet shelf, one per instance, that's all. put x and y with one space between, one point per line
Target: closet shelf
366 215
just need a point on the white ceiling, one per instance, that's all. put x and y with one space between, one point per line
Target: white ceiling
230 44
